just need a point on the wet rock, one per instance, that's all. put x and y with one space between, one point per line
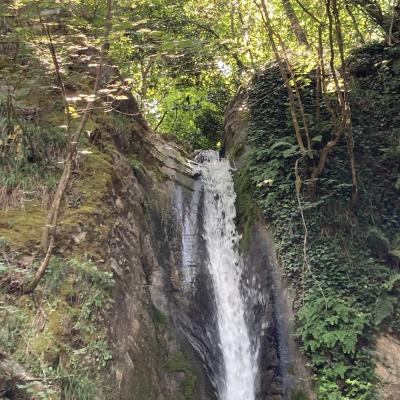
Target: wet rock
145 254
283 365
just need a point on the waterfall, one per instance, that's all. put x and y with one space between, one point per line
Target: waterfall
226 267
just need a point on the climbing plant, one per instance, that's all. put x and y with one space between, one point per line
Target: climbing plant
348 253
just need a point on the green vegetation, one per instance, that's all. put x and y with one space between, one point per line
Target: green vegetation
246 207
60 335
324 170
159 318
345 272
178 363
298 396
28 157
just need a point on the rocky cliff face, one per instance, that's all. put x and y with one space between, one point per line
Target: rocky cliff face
152 358
126 211
283 371
256 125
164 310
161 300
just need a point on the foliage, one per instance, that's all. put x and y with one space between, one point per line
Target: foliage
327 323
348 249
183 60
65 334
159 318
29 154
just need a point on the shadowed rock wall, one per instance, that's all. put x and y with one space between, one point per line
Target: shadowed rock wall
283 367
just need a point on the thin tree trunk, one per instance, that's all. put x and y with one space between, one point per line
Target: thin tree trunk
295 23
355 23
285 76
57 69
49 230
394 18
346 106
145 71
342 122
161 120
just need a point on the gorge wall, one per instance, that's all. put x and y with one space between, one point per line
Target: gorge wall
341 241
134 212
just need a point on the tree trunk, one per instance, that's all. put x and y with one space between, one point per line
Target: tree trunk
390 22
49 230
295 23
285 75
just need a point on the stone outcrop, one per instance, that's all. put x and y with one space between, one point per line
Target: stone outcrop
388 366
150 324
283 370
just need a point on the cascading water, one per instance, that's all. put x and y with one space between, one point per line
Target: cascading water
225 267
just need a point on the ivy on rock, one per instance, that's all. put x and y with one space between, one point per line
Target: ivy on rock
345 271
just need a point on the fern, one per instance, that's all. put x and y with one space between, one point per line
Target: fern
393 280
384 307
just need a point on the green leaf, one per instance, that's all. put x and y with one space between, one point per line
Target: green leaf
317 138
280 144
384 307
340 370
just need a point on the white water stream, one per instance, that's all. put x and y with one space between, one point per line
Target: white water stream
225 266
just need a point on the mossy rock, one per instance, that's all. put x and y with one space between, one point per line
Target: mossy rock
49 339
159 318
22 227
246 207
236 151
178 363
298 395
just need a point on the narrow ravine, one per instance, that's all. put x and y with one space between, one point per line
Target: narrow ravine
225 267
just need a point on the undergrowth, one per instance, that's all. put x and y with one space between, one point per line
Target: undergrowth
59 336
29 155
347 288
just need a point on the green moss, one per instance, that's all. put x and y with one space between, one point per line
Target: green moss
135 163
59 320
159 318
188 386
236 150
178 363
86 207
298 396
246 207
96 173
21 227
52 326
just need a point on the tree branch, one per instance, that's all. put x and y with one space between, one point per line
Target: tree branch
49 230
